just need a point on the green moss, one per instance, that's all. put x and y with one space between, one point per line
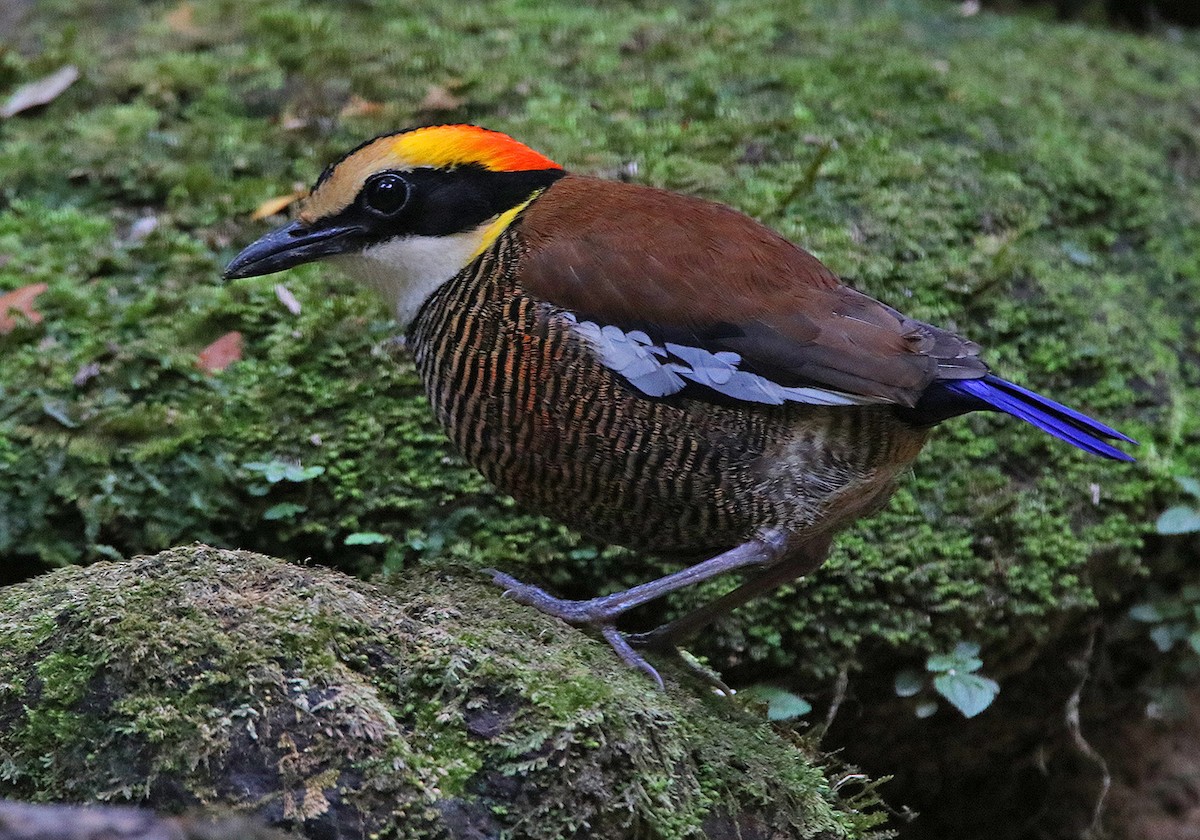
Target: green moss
317 701
1032 186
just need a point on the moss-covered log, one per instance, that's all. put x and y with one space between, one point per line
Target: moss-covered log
201 677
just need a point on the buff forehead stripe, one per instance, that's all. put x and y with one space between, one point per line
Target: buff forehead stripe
436 146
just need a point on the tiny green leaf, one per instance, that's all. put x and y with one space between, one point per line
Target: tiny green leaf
966 650
1165 636
297 473
969 693
272 471
366 538
1178 520
1194 641
926 709
781 705
1145 612
953 662
908 682
283 510
1191 486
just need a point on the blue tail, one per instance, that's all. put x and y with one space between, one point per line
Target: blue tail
1062 422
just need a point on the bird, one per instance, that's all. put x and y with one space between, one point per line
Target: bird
654 369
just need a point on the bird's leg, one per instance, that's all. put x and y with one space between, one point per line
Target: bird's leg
799 561
605 609
602 612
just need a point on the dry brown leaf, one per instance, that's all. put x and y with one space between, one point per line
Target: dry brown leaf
182 21
20 300
278 204
40 91
293 122
356 106
438 98
221 353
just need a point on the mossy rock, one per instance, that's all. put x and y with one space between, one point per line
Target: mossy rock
200 676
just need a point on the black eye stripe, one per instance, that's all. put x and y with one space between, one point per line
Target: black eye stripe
440 202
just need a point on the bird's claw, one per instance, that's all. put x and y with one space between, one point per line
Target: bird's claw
509 583
628 655
532 596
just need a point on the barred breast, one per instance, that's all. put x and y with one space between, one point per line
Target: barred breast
528 404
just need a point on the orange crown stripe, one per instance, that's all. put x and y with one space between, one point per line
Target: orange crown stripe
451 145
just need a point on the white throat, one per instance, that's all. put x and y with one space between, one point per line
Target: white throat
406 270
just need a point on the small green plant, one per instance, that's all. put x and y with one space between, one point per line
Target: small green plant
366 538
781 704
1182 519
954 677
1172 618
274 472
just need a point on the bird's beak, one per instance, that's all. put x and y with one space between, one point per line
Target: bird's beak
292 245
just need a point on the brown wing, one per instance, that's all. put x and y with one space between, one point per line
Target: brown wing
688 271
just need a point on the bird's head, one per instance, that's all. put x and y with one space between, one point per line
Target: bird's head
406 212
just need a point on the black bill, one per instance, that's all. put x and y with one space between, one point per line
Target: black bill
293 245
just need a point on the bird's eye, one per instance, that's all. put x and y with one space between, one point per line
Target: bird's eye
385 194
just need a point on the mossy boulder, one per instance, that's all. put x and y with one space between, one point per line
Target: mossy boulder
432 709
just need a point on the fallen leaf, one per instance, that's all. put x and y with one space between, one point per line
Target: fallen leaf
278 204
20 300
221 353
287 298
437 98
182 21
292 122
40 92
359 107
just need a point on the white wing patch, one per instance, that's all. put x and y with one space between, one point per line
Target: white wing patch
659 370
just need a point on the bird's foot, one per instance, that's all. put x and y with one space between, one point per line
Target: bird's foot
595 612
